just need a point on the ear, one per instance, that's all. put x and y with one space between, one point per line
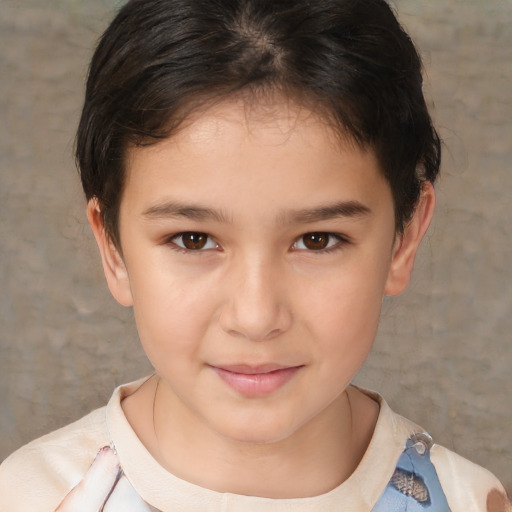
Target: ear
113 265
406 245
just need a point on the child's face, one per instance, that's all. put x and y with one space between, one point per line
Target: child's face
260 315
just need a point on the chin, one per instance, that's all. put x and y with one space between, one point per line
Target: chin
264 430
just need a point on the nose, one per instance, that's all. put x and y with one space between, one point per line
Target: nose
256 305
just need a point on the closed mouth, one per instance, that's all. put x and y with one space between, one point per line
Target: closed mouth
247 369
256 381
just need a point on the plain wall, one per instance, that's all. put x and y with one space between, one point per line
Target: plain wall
443 356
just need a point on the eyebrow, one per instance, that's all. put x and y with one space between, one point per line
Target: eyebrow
308 215
173 209
328 212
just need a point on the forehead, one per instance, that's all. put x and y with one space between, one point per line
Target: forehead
235 151
266 119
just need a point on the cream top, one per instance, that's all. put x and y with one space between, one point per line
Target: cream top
40 474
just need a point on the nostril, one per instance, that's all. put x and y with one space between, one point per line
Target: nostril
274 333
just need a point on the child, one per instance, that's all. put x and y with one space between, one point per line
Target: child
259 174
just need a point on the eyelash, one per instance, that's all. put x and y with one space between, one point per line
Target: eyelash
341 241
172 241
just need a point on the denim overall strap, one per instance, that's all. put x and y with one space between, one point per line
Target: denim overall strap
414 486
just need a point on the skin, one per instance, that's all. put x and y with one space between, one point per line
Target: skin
256 180
104 479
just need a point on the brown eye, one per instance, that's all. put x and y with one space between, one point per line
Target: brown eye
316 241
193 241
320 241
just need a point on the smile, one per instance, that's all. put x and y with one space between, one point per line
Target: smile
256 381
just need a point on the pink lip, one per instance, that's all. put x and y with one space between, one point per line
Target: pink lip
256 381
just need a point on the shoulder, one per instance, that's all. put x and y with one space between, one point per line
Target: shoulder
428 473
468 486
39 474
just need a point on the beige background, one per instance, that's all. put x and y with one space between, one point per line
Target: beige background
444 353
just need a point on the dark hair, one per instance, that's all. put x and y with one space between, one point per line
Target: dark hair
161 59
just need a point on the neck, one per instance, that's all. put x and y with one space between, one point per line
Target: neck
311 461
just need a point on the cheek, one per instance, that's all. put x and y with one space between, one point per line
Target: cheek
172 313
345 308
346 330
